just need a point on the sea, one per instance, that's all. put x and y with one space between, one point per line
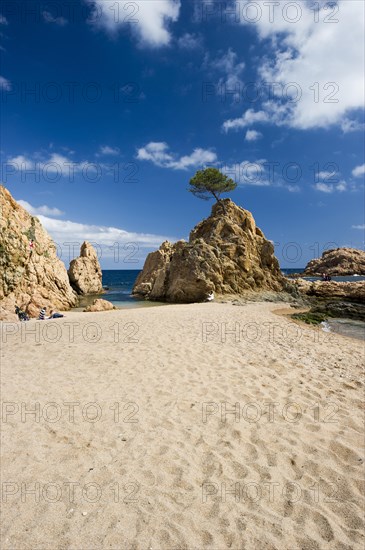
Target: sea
346 279
118 286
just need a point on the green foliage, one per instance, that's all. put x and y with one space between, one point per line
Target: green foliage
30 233
311 317
210 183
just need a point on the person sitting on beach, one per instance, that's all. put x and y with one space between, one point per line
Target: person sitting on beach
22 316
42 314
55 315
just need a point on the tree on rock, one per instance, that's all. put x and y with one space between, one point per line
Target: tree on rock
210 183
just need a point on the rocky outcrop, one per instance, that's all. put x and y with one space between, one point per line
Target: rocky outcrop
352 292
31 274
339 261
85 271
334 299
226 254
100 305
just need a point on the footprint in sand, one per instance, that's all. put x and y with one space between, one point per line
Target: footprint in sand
343 452
323 525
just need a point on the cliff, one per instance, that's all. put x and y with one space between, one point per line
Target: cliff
31 276
226 254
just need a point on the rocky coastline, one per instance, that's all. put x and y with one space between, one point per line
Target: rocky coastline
226 258
31 274
332 299
337 262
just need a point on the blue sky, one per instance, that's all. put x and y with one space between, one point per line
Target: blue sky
110 107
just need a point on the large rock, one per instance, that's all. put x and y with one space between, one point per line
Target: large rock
85 271
100 305
335 299
339 261
226 254
28 279
353 292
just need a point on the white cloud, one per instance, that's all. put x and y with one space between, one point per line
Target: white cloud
189 41
341 186
293 188
348 126
359 171
361 227
248 118
112 243
106 150
40 210
3 20
21 162
61 231
148 19
321 60
325 175
55 164
258 173
330 188
249 173
49 18
252 135
5 84
262 173
323 187
231 83
158 153
115 246
199 157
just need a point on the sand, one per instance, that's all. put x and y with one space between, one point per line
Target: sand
158 428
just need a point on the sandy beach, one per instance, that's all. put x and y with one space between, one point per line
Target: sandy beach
182 427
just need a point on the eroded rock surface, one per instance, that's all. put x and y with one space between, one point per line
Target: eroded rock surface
85 271
354 292
339 261
100 305
31 274
226 254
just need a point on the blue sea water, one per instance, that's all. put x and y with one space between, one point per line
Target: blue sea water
119 284
347 279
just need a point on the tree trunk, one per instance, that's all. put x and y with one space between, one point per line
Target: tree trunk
220 201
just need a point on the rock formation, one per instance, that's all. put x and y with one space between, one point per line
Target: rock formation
100 305
30 276
85 271
353 292
335 299
339 261
226 254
